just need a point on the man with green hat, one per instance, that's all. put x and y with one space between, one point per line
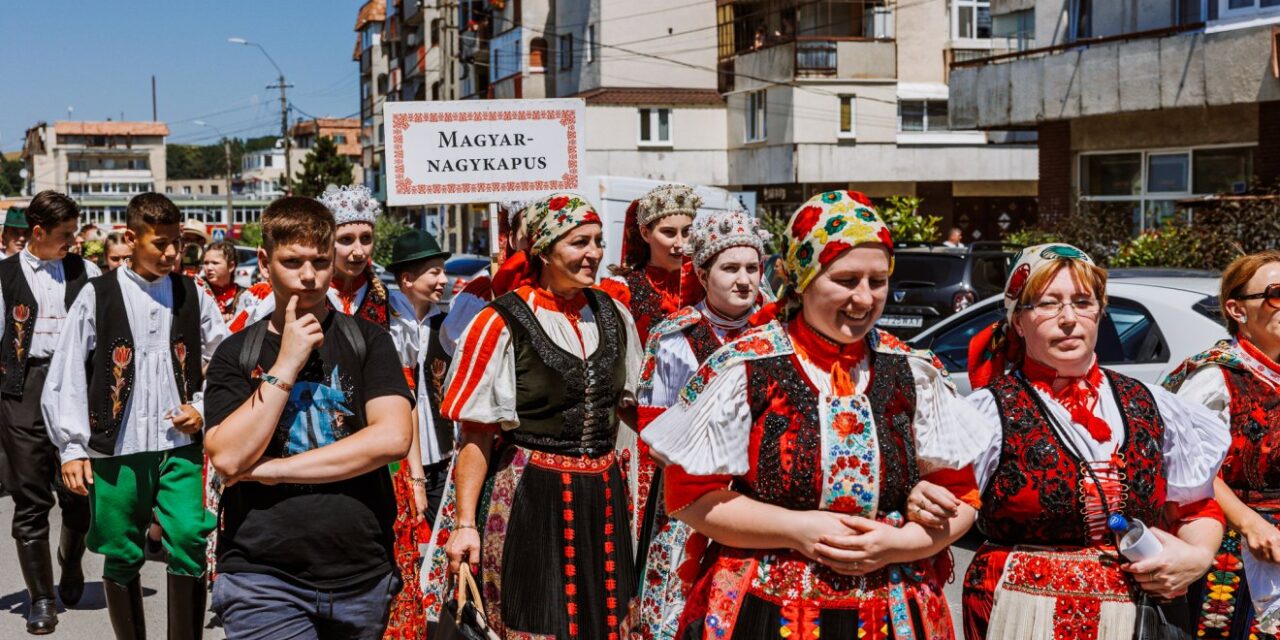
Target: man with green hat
418 264
15 233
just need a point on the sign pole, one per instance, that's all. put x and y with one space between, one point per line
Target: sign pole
495 251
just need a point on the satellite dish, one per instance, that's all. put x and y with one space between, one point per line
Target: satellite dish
22 173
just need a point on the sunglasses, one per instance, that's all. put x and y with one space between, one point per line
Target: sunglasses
1271 295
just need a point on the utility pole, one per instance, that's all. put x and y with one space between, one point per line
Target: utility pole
231 216
284 132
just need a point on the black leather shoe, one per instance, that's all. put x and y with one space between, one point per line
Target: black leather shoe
70 555
37 571
187 597
124 606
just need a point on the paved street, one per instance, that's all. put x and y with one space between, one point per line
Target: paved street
89 618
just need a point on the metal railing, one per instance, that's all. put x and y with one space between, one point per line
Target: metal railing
1079 44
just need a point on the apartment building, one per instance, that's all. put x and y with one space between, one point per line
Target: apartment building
262 172
95 159
1137 104
345 133
375 87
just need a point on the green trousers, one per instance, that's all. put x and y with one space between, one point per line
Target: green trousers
125 492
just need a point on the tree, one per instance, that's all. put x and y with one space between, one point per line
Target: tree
10 181
321 168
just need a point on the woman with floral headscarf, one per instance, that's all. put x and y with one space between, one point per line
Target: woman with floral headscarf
1078 451
547 366
794 448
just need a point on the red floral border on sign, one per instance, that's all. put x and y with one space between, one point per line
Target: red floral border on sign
401 121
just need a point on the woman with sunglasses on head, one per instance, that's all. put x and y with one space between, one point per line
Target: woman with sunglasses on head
1079 449
726 248
549 366
1240 381
794 448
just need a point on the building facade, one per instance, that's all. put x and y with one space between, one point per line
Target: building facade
374 59
1137 105
95 159
262 172
346 136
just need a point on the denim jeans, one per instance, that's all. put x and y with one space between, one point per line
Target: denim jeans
258 605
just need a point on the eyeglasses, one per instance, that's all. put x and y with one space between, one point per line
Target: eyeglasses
1271 295
1050 308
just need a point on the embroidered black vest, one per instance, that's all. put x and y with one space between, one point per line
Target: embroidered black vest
784 407
1254 459
646 302
566 405
701 339
434 367
375 306
1034 496
21 311
111 373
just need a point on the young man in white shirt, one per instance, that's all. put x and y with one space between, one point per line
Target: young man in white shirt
37 285
129 430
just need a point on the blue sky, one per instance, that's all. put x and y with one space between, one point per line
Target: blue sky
98 57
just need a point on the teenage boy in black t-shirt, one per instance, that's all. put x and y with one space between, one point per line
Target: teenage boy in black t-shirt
303 433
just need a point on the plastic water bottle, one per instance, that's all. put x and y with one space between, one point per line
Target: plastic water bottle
1137 542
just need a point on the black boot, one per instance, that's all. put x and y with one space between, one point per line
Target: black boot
186 607
37 570
70 554
124 606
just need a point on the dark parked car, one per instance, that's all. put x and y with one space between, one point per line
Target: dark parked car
931 282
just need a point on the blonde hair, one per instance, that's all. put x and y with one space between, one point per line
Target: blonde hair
1091 276
1236 276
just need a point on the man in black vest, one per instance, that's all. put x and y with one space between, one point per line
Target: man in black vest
418 263
37 285
128 430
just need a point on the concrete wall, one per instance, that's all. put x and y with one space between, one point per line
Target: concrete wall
867 60
1233 124
923 30
1140 75
888 162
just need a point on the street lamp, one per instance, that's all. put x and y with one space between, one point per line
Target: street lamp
226 151
284 108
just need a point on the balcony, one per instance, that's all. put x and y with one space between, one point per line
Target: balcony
412 12
1166 68
852 58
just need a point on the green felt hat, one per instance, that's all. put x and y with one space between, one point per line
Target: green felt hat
414 246
16 218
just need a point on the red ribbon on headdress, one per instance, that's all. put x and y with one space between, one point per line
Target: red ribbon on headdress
691 291
514 272
635 251
992 351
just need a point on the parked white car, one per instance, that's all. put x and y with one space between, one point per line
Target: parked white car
1155 319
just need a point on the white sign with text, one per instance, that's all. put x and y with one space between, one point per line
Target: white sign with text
465 151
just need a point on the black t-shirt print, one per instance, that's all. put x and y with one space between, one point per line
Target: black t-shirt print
327 536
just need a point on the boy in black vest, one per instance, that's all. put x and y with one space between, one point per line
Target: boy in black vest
128 426
37 285
418 263
305 416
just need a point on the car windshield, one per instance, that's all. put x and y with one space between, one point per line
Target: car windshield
926 270
464 266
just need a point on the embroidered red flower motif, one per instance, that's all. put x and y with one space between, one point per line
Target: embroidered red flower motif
758 346
845 425
121 356
832 251
21 313
1017 281
180 350
860 198
557 203
806 220
885 238
846 504
591 217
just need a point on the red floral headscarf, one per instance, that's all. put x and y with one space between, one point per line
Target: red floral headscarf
555 215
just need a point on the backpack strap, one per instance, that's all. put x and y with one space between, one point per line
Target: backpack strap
254 335
351 331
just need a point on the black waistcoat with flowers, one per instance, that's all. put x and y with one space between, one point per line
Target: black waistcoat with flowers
701 339
112 361
1034 496
786 440
21 311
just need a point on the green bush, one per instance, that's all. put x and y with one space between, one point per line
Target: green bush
906 223
1028 237
1173 246
385 232
250 235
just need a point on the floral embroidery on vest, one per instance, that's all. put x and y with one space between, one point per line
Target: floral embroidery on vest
374 305
121 374
21 314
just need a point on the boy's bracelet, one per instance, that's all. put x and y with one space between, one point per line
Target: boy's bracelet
418 481
286 387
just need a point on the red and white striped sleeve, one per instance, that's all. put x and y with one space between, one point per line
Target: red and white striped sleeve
463 309
481 385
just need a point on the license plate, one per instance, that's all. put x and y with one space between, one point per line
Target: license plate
906 322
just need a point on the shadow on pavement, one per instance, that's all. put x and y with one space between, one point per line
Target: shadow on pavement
93 600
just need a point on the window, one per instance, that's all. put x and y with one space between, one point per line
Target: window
266 161
537 54
1016 27
589 48
756 120
340 138
77 165
186 191
655 127
848 117
566 51
922 116
1150 183
970 19
213 189
1244 8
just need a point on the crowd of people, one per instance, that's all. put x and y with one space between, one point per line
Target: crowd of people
672 452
